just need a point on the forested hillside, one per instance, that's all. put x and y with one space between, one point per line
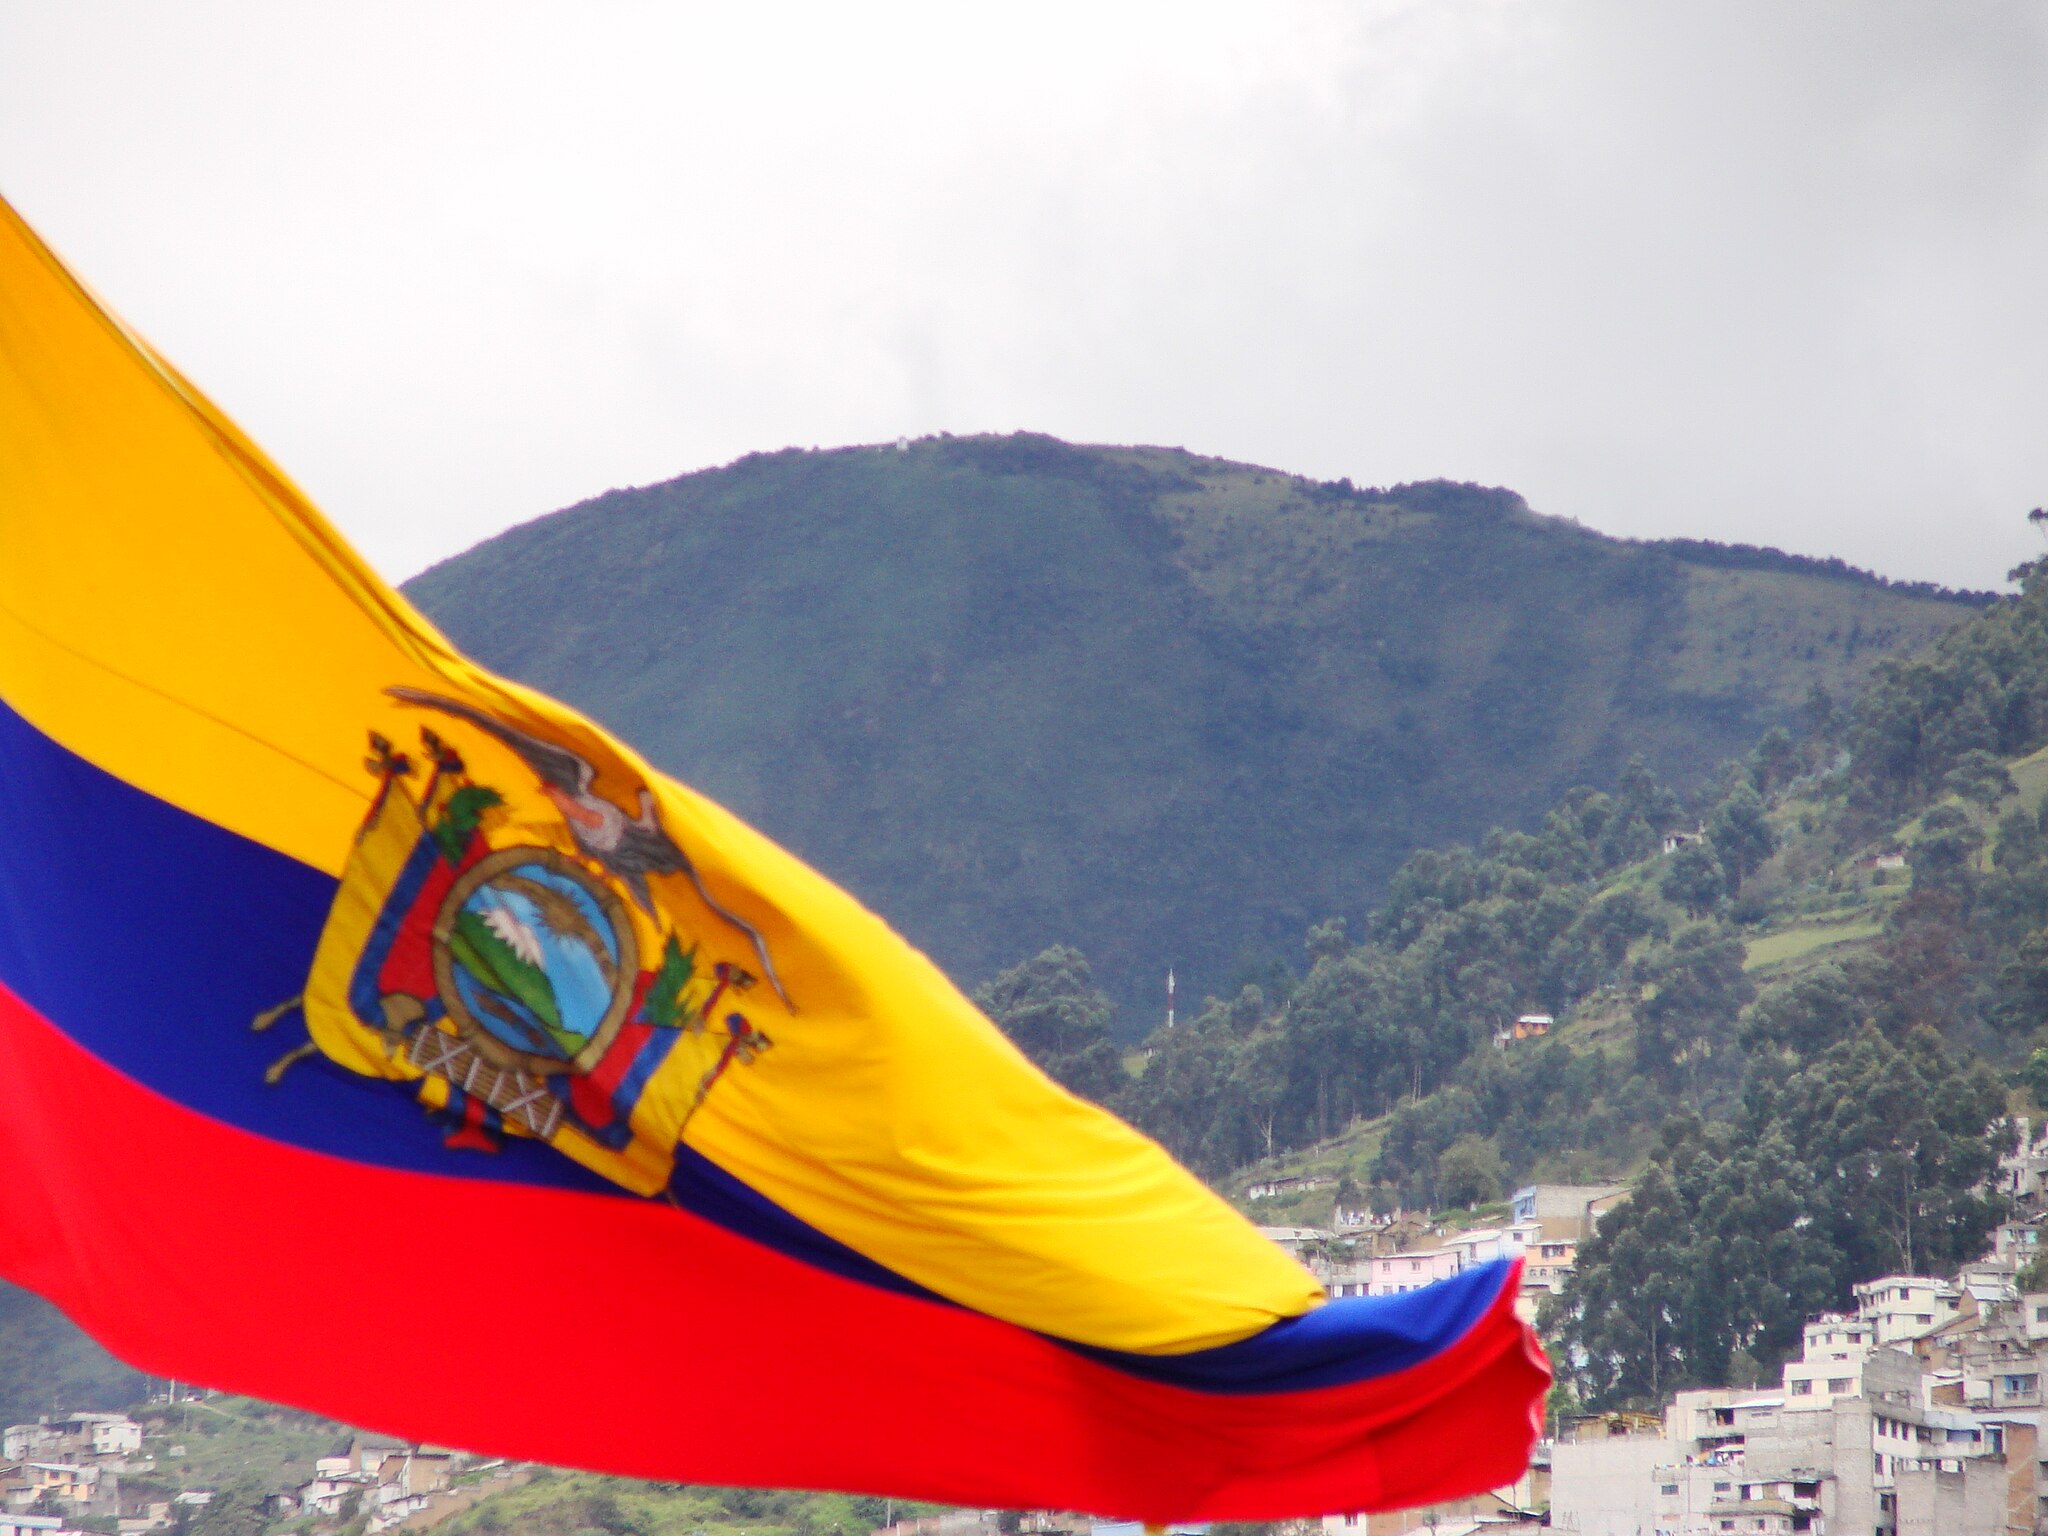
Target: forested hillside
1807 1027
1013 692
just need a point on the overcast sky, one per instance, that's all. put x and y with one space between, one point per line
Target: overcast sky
1753 271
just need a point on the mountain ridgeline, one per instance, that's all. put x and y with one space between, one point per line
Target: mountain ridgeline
1013 692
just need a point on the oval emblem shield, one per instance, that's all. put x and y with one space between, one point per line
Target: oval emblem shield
535 959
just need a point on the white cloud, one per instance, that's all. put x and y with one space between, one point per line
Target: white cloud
1745 271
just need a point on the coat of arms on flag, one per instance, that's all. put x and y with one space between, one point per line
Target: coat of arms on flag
499 949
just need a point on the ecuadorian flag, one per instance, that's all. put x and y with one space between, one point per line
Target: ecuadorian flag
380 1036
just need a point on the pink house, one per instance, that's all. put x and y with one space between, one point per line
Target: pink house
1398 1272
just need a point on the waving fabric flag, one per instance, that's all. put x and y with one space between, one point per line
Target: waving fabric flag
379 1036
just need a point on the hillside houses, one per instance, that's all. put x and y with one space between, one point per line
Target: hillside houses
72 1437
26 1484
1921 1414
1390 1255
63 1475
67 1468
387 1482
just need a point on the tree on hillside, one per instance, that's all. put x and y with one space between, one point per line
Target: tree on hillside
1928 956
236 1510
1470 1172
1810 1012
1775 761
1326 940
1741 834
1695 879
1638 797
1256 1088
1050 1007
1978 694
1901 1139
1979 777
1946 854
1189 1097
2034 1076
1719 1233
1866 1156
2023 989
1698 986
1620 1320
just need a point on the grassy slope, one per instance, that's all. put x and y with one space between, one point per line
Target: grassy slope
229 1437
1013 692
580 1504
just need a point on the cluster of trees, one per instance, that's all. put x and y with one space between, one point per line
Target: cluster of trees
1866 1157
1466 939
1755 557
1871 1113
1583 1112
1735 841
1050 1008
1935 721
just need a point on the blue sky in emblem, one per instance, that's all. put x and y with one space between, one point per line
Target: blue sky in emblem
582 992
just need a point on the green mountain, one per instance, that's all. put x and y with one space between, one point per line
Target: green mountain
47 1365
1026 622
1804 1034
1012 691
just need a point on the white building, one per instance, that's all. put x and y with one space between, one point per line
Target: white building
333 1494
1830 1364
1905 1306
2019 1241
72 1434
18 1442
105 1434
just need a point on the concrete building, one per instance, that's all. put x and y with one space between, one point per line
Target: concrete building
102 1434
1566 1211
20 1442
1483 1245
2023 1173
1308 1244
72 1436
1905 1306
59 1481
1286 1187
1603 1486
1830 1362
1939 1439
1546 1264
